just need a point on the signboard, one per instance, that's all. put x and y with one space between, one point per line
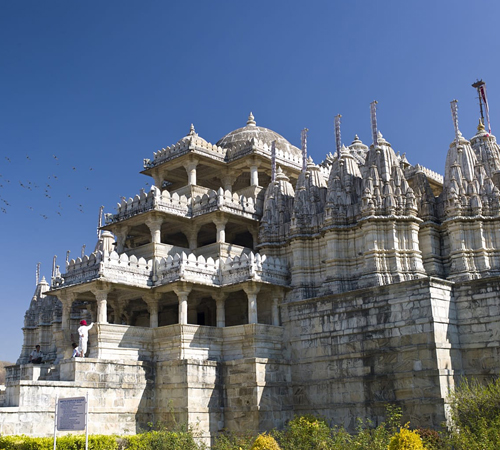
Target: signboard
71 414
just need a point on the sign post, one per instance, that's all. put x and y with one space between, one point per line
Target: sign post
71 415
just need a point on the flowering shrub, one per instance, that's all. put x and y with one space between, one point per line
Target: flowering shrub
265 442
406 439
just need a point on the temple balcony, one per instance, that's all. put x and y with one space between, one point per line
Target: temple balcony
191 201
139 272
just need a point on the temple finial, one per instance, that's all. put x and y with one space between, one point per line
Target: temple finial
338 141
37 273
99 222
303 139
251 120
273 162
373 115
454 115
480 127
192 131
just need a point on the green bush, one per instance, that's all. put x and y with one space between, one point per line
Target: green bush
475 415
233 441
305 433
67 442
163 440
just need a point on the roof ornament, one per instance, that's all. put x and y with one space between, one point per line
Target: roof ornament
373 116
37 273
454 115
273 162
83 250
67 258
192 131
338 142
303 140
251 120
54 267
480 86
99 222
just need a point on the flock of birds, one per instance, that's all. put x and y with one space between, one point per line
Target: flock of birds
40 189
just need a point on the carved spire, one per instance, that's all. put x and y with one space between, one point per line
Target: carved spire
37 273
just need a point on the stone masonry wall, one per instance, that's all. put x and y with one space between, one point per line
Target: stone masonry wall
353 353
478 311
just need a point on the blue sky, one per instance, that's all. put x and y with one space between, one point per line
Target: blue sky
102 85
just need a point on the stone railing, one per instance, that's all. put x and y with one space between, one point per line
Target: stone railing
221 272
183 146
188 268
202 201
253 266
154 200
283 157
118 268
428 173
135 271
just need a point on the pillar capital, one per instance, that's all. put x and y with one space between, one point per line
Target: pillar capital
154 223
251 288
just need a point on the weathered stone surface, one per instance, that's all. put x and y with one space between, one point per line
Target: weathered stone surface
250 284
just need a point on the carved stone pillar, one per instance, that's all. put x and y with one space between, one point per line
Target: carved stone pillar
254 175
191 171
182 294
220 223
158 180
227 182
220 301
275 313
101 296
192 237
255 237
67 300
252 290
152 302
121 236
154 224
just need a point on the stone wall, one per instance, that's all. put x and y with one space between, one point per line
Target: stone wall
120 393
353 353
478 311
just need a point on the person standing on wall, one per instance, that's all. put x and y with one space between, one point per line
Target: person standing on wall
83 332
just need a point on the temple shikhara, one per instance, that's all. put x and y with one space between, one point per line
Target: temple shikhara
251 284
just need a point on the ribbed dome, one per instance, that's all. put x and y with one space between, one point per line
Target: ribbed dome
250 131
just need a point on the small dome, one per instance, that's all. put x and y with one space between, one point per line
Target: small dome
192 135
250 131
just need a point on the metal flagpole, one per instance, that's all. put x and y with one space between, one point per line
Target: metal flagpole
55 421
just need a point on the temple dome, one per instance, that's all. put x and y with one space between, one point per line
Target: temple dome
251 131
